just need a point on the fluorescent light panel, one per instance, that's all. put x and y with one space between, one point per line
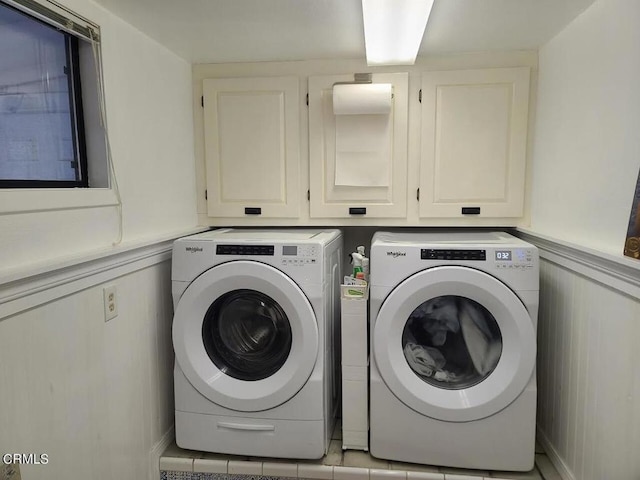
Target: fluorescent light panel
393 30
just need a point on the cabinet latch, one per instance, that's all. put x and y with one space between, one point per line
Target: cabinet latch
357 211
470 210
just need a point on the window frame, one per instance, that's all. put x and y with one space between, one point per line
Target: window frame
103 190
76 115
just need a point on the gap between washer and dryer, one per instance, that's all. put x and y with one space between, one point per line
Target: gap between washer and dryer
179 464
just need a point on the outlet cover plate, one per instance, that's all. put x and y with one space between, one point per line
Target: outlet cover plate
110 303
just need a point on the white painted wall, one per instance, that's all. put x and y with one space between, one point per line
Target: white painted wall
148 95
586 157
588 382
587 149
98 397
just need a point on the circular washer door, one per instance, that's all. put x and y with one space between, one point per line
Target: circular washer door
245 336
459 316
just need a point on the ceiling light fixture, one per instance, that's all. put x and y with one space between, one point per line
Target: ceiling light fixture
393 30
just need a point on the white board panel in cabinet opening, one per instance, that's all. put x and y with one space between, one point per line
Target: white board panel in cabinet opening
336 192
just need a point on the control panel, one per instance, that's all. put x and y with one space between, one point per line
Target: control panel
513 258
245 250
293 255
456 254
502 258
298 255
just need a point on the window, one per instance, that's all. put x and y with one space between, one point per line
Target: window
46 138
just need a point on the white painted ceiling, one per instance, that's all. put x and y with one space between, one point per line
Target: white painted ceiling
217 31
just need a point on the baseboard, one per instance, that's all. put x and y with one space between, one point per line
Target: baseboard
553 456
157 451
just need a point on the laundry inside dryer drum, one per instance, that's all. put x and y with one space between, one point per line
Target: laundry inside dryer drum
247 335
451 342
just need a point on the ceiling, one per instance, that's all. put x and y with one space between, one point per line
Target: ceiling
219 31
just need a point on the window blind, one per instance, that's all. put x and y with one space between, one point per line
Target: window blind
58 16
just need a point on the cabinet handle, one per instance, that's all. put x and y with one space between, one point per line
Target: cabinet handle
470 210
253 211
357 211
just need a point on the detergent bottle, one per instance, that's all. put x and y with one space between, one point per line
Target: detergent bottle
356 261
365 262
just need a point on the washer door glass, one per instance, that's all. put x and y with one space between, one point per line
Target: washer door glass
451 342
247 334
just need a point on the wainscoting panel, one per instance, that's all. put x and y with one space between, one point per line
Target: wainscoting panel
588 367
95 396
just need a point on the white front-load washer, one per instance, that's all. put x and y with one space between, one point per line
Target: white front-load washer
256 315
453 349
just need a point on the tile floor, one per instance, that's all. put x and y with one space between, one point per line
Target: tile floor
179 464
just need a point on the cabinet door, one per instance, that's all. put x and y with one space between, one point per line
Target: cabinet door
339 190
252 150
474 142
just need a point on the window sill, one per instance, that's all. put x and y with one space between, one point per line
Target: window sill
38 200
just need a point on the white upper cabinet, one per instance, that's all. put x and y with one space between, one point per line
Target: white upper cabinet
473 143
358 156
457 157
252 147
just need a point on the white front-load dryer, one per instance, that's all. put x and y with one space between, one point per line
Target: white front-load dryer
256 315
453 349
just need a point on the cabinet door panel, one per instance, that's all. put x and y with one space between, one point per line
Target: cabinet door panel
252 146
474 126
379 181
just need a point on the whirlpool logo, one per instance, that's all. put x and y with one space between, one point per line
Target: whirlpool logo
193 249
396 254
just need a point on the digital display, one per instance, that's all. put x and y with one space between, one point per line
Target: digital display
503 255
290 250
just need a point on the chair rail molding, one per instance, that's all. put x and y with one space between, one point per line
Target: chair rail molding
619 273
28 289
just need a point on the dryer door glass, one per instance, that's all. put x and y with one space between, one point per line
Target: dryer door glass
451 342
247 335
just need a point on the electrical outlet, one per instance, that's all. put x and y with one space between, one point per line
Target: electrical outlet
110 302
